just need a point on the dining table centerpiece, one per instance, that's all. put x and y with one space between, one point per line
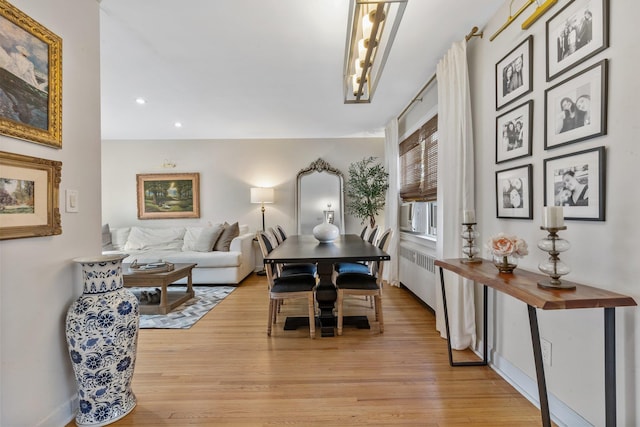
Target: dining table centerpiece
506 250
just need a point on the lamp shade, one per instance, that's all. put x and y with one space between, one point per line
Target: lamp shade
261 195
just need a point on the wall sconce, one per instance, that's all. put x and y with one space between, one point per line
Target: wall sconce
262 195
371 30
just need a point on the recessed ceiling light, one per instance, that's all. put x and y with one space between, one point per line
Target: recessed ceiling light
141 101
178 124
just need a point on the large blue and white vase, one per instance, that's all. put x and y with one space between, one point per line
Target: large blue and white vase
102 335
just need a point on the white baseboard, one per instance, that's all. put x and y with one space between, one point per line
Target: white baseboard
560 413
62 416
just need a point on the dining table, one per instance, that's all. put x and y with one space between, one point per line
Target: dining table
307 249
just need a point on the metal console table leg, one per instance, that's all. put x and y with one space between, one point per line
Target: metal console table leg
537 358
484 360
610 366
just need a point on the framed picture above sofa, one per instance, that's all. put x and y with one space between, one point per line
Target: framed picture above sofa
168 195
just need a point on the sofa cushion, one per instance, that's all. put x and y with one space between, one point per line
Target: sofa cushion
230 232
107 244
201 239
119 237
141 238
215 259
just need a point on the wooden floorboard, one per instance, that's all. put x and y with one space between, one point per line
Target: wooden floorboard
226 371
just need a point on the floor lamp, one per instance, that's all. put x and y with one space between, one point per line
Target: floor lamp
262 195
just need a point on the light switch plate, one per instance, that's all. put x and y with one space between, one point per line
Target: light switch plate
71 200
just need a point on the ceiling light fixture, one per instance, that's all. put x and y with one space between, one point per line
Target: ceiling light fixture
371 30
141 101
178 124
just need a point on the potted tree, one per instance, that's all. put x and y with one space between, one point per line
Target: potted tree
366 189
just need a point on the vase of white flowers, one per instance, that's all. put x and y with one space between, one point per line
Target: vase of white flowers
506 250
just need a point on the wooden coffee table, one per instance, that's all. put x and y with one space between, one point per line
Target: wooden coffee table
168 301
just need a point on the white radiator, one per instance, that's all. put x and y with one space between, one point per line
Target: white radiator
417 271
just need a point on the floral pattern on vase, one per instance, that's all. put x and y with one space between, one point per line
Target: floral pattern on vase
102 336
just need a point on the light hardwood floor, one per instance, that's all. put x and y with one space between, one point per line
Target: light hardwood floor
226 371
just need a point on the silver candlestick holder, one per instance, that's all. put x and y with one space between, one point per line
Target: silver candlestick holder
553 245
469 248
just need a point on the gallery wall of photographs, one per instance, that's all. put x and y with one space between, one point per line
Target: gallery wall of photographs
575 110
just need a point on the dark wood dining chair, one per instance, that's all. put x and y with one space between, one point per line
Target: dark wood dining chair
287 287
364 284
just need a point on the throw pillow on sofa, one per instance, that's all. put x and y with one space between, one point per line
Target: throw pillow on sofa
229 233
141 238
201 239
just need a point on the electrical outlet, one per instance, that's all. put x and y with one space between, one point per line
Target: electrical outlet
546 351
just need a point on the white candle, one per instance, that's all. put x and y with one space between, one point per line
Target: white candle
553 217
469 217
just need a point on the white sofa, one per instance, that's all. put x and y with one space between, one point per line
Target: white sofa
217 263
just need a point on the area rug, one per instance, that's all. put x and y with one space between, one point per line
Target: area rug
186 315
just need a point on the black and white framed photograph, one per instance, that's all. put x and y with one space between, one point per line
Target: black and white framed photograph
513 133
576 108
514 192
576 33
576 181
514 74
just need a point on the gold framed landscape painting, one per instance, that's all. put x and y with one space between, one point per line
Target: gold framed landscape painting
168 195
30 79
29 189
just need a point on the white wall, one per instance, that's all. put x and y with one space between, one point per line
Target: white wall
38 280
603 254
228 169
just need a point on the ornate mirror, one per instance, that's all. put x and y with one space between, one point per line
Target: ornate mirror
319 197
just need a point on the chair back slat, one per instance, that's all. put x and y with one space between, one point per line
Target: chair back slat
383 244
280 230
372 236
266 248
363 233
275 235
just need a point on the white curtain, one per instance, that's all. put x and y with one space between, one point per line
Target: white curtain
390 273
455 191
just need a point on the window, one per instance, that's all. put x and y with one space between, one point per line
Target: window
419 164
419 177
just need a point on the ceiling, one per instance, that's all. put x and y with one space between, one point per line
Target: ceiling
260 69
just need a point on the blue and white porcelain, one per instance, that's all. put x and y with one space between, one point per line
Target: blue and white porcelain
102 335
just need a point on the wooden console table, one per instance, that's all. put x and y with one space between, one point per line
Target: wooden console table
522 285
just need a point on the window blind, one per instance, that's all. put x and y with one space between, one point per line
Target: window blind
419 164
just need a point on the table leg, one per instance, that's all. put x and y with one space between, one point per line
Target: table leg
610 366
190 284
484 360
163 306
326 296
537 358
